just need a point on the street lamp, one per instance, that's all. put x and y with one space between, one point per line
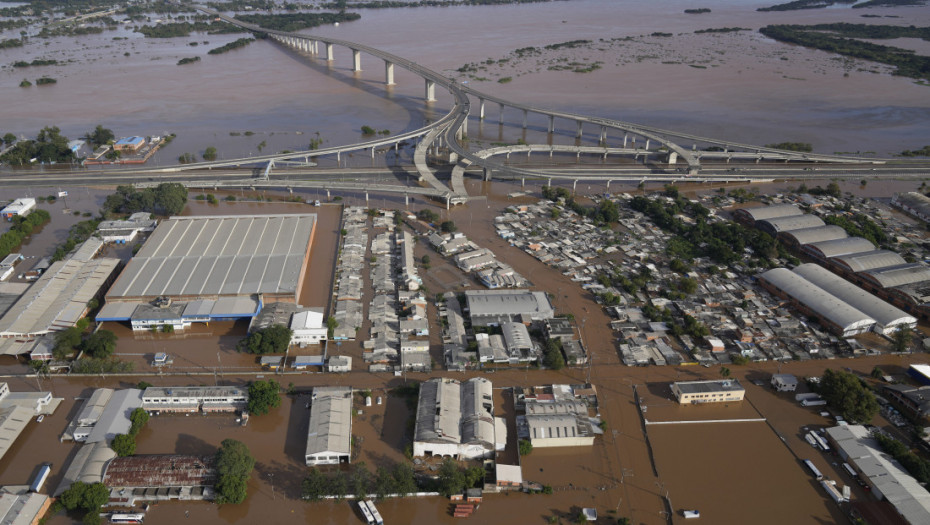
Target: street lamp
271 475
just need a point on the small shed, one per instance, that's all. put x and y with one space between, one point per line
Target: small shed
272 362
784 382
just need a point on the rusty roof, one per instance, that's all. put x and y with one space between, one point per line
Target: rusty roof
170 470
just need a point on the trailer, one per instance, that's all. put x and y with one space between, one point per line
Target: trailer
40 478
810 439
375 515
830 486
814 470
822 442
691 514
851 471
813 402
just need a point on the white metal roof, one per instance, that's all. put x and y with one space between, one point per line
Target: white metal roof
884 314
899 275
770 212
817 299
829 232
783 224
837 247
330 430
860 262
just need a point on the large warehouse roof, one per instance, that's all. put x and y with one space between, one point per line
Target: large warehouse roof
834 248
818 300
885 315
860 262
914 202
509 303
221 255
898 275
330 421
453 412
784 224
59 298
816 234
769 212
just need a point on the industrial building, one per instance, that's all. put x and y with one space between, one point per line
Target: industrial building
219 268
16 411
206 399
887 478
833 313
104 415
134 479
913 203
21 207
130 144
797 238
125 230
329 436
749 216
714 391
892 276
493 307
778 225
457 420
823 250
888 319
914 400
307 327
58 299
558 424
863 261
19 507
921 373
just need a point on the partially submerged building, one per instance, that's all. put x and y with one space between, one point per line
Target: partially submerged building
134 479
329 436
714 391
457 420
493 307
191 399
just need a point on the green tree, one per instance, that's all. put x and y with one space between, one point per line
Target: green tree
451 478
448 226
425 259
272 340
314 486
65 342
123 445
99 136
338 485
384 482
234 464
100 344
552 355
404 480
724 372
9 139
877 373
209 154
84 496
474 476
901 339
525 447
92 518
846 393
139 417
263 396
331 325
361 479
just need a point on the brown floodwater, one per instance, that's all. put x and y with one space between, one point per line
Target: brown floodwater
747 87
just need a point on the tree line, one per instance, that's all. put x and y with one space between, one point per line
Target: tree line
168 198
22 228
48 146
297 21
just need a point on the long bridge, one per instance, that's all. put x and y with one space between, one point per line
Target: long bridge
660 145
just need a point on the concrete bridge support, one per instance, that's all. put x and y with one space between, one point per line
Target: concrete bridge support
480 109
524 118
673 157
625 136
574 185
487 174
647 143
603 139
578 133
356 60
329 52
608 185
463 131
551 124
366 197
388 73
501 119
430 91
406 199
328 196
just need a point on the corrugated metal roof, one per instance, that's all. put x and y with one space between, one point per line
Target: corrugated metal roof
837 247
220 255
899 275
330 429
817 299
169 470
770 212
860 262
829 232
783 224
885 314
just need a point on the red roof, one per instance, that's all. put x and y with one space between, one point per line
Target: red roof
169 470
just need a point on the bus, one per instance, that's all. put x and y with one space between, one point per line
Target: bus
375 515
40 478
363 507
813 469
849 470
125 517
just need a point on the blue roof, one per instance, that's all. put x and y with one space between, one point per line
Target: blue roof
128 140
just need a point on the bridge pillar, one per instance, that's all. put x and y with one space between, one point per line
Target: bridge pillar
574 185
608 185
480 109
524 119
463 131
522 182
758 159
647 143
337 157
372 152
366 197
549 182
551 124
550 152
508 155
356 60
448 201
328 196
603 134
625 136
673 157
501 119
528 153
487 174
693 147
430 91
388 73
329 52
728 159
395 147
406 199
578 133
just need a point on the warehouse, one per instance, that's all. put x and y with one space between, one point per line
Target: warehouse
59 298
457 420
749 216
887 479
329 436
218 268
860 262
493 307
914 203
830 311
19 207
824 250
888 319
783 224
714 391
892 276
797 238
195 398
133 479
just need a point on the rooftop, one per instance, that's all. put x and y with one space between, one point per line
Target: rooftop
699 387
170 470
220 255
330 427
